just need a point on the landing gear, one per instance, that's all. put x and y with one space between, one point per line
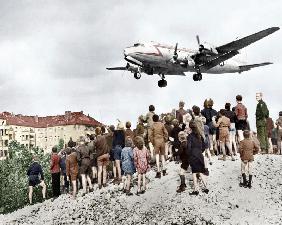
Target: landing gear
137 75
197 76
162 83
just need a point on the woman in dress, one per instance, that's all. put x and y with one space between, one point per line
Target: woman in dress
141 162
195 148
127 164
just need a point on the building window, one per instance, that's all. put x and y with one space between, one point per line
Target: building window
10 136
6 143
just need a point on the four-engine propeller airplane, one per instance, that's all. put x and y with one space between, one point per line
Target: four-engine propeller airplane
154 58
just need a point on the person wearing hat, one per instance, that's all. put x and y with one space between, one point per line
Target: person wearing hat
118 145
195 149
35 177
158 137
262 114
85 168
208 112
182 136
279 132
72 168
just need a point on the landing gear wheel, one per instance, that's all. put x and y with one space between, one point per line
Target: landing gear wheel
197 77
162 83
137 76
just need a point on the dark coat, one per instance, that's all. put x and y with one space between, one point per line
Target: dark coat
118 138
35 169
195 149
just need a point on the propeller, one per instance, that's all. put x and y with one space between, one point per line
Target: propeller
198 39
175 55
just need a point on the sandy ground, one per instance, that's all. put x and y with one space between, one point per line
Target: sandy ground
226 203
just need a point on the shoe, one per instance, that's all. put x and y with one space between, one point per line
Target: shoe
158 175
181 188
222 158
142 192
233 159
250 181
206 173
244 183
128 193
105 185
206 190
91 190
164 172
100 186
210 163
124 190
194 193
138 193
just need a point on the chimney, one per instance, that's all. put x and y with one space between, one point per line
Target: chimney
67 115
36 119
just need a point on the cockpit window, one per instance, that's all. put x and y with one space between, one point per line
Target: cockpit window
138 44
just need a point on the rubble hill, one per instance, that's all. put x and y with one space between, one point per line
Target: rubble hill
226 203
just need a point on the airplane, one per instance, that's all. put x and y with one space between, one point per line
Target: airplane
154 58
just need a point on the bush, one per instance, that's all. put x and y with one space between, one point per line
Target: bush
14 180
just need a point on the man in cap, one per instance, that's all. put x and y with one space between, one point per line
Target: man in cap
262 114
180 112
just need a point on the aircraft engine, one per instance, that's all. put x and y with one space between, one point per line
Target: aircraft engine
209 49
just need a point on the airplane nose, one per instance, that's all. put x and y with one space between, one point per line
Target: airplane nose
125 52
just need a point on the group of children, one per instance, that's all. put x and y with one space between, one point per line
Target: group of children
187 136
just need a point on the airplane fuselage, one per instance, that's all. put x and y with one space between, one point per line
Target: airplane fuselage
160 57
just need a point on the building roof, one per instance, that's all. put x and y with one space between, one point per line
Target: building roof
69 118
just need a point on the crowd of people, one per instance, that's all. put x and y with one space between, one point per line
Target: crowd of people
192 138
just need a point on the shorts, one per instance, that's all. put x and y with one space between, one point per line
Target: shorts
33 180
112 155
242 125
224 135
159 148
85 166
103 160
93 162
117 152
185 164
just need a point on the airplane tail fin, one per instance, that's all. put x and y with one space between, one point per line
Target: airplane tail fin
248 67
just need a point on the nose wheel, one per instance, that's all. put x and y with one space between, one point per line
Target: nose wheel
137 76
197 77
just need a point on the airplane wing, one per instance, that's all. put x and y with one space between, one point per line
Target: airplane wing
215 61
117 68
248 67
243 42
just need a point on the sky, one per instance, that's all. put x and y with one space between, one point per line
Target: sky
54 54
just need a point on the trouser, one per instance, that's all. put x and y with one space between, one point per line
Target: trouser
247 167
66 182
279 139
56 184
262 137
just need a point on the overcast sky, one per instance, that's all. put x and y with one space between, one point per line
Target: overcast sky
53 55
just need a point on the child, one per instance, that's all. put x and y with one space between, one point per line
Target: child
184 159
141 161
35 177
247 148
127 164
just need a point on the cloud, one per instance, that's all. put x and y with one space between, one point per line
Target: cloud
53 55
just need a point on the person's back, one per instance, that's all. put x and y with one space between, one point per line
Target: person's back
159 132
200 125
248 148
101 145
55 163
241 111
35 169
72 163
118 138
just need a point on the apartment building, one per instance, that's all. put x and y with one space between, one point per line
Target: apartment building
43 132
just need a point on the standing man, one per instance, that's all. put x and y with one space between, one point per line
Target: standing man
279 132
149 119
241 115
55 172
158 137
180 112
262 114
